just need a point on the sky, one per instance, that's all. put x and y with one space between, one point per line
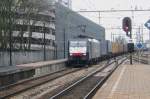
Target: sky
114 20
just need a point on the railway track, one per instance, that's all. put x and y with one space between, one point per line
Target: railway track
144 61
86 87
27 85
33 82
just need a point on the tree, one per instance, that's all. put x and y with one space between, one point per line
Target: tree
7 17
31 10
13 11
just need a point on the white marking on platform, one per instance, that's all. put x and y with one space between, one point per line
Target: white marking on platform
101 74
105 84
117 82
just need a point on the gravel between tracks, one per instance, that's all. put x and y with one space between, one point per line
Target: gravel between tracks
80 91
48 87
82 87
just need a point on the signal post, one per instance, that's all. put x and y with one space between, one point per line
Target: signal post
127 27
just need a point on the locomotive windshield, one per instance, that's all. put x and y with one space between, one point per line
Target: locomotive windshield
77 44
77 47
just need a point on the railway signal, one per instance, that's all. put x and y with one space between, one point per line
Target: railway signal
127 25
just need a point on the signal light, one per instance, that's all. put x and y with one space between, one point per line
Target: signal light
127 25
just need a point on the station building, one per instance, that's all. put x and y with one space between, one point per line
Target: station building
45 36
69 25
32 36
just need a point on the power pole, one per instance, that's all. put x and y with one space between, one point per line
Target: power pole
44 44
64 43
99 13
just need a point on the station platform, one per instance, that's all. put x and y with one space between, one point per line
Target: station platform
13 74
127 82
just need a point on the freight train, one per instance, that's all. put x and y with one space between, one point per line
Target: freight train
85 51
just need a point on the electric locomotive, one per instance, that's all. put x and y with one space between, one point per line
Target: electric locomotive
83 51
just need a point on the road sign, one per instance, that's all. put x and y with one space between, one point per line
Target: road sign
147 24
139 45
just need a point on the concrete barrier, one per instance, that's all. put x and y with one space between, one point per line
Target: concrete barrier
13 74
46 67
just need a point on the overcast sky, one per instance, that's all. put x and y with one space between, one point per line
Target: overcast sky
113 20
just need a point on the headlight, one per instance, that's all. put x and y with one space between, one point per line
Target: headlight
84 54
71 54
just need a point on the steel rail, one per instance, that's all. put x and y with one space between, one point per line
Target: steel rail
66 90
8 94
101 82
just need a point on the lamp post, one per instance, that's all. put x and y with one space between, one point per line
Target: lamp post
44 43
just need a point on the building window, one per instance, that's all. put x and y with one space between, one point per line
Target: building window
53 32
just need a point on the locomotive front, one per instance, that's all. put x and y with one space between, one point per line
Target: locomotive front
78 52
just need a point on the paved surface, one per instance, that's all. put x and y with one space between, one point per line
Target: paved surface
127 82
4 70
11 69
42 63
